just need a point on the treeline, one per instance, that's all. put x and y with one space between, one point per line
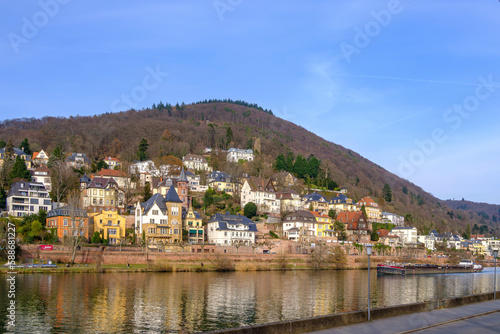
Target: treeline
238 102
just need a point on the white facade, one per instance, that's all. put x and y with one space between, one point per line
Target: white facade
394 218
236 154
27 198
407 235
266 201
42 175
227 230
428 241
195 162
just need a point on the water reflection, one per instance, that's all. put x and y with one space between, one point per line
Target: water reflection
195 302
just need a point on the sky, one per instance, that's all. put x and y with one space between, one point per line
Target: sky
413 86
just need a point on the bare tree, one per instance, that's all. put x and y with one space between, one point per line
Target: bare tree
63 180
77 226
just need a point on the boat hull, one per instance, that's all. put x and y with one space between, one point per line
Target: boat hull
423 270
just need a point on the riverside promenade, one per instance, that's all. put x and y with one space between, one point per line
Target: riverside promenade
483 317
437 316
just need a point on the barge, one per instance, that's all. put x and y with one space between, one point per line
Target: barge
466 266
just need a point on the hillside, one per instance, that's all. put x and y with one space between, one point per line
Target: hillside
193 127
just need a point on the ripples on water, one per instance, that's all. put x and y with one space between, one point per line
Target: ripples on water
195 302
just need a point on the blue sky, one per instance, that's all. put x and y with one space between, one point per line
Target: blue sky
412 86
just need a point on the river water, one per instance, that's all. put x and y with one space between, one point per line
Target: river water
196 302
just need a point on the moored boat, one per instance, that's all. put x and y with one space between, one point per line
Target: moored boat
425 269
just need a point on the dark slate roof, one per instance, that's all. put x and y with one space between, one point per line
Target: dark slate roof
196 214
21 188
172 196
67 211
224 220
188 173
101 182
219 177
74 156
182 177
339 199
18 152
85 179
314 197
158 199
300 216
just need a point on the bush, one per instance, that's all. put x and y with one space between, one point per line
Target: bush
222 263
250 210
96 238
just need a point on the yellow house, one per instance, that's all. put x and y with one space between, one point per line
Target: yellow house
192 223
342 203
373 210
478 248
221 181
110 225
323 223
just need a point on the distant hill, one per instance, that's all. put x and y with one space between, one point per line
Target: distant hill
190 128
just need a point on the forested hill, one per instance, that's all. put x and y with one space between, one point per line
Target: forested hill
178 130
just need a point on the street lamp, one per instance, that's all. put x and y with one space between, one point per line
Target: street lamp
495 255
369 252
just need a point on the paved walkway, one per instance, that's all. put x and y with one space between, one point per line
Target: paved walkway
431 322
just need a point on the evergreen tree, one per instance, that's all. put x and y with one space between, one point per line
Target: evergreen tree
250 144
25 146
387 193
146 192
229 136
3 198
2 143
405 190
280 163
290 159
300 167
466 234
143 146
313 165
20 170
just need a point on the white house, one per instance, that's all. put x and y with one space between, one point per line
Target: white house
394 218
300 225
236 154
227 230
262 193
27 198
195 162
407 235
42 175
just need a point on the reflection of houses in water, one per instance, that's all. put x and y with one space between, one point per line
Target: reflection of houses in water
108 307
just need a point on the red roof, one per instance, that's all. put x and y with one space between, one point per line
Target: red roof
320 215
35 154
111 159
368 201
351 219
111 173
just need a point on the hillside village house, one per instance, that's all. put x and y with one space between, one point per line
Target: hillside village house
373 211
42 175
300 226
193 224
356 224
102 194
228 230
222 182
110 225
236 154
160 218
27 198
387 238
17 153
40 158
78 160
181 185
342 203
407 235
121 178
393 218
262 193
284 179
323 224
69 221
195 162
289 200
113 163
315 202
193 179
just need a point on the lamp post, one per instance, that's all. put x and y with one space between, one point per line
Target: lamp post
369 252
495 255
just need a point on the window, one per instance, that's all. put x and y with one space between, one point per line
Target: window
46 202
155 212
65 222
65 233
112 231
107 202
151 221
33 200
94 201
176 231
82 223
163 221
110 222
100 201
94 192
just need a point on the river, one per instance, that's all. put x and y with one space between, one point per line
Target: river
196 302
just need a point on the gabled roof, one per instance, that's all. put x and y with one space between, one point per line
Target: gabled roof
300 216
18 152
348 217
172 196
194 157
319 215
101 182
85 179
155 199
368 201
259 184
75 156
196 214
314 197
109 158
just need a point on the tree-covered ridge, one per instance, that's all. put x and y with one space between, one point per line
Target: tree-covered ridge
238 102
